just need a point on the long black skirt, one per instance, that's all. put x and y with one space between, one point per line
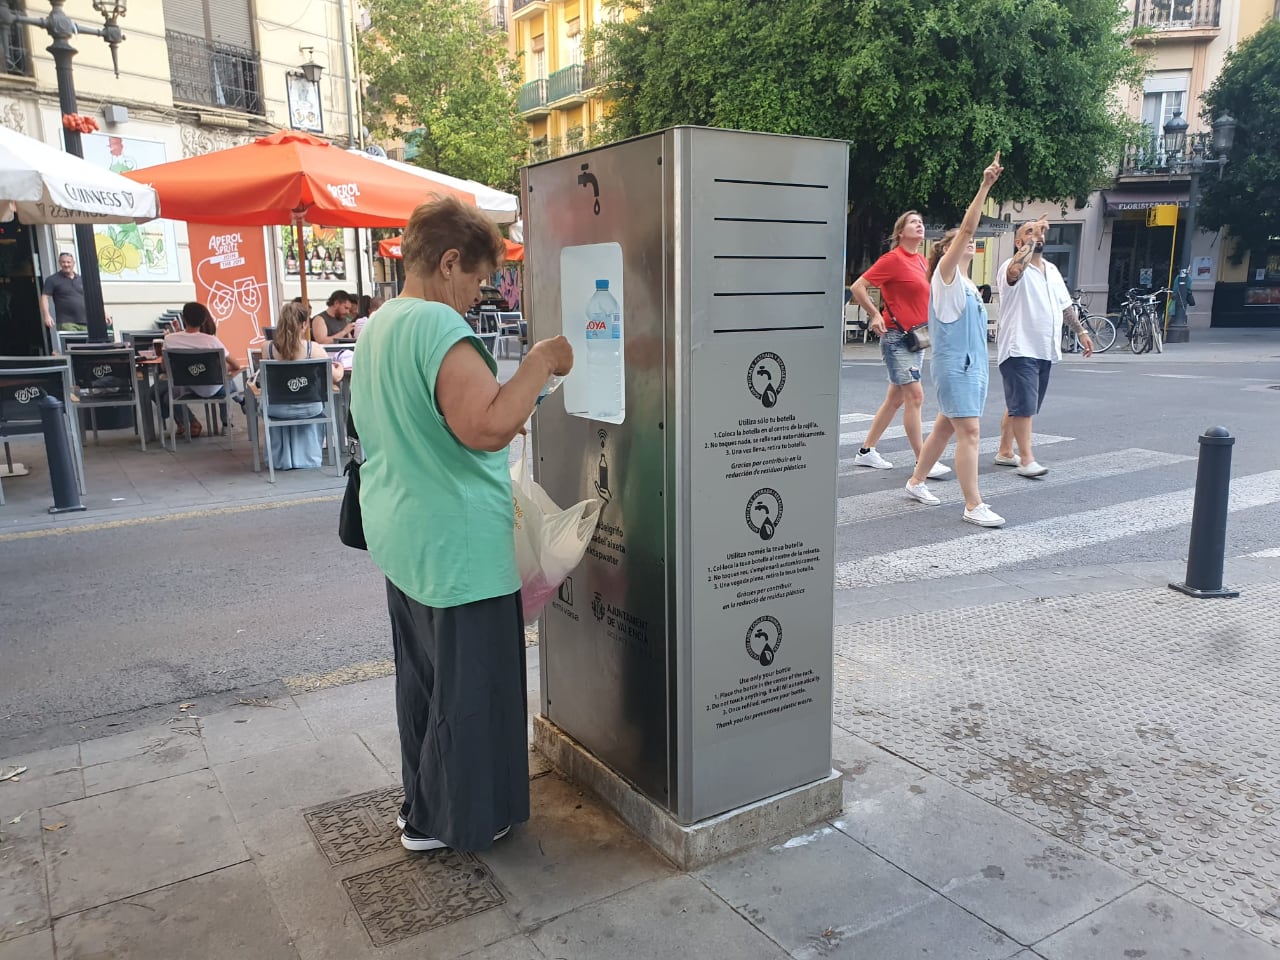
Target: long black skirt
461 703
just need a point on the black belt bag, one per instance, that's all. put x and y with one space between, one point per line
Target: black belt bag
914 340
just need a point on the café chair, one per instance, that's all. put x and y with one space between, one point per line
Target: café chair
194 368
66 337
294 381
511 333
23 381
106 377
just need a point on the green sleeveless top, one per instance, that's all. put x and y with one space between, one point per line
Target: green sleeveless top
438 516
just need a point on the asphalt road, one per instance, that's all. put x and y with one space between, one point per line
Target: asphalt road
103 627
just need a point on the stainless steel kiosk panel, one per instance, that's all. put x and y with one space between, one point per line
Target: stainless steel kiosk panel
691 650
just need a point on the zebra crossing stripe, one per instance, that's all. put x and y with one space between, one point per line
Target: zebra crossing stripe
888 503
987 550
898 432
986 447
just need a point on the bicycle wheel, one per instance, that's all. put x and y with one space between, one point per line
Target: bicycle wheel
1140 337
1102 332
1157 333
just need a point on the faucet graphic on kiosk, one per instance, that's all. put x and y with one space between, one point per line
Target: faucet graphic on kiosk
585 178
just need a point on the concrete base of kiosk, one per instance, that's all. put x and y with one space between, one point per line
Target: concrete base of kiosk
696 845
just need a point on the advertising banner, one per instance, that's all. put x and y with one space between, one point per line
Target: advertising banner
229 265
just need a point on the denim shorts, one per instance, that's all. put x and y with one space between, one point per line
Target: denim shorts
1025 381
903 365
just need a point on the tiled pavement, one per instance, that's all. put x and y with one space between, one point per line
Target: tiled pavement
1057 791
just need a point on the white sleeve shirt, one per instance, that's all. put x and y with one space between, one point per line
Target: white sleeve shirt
1031 313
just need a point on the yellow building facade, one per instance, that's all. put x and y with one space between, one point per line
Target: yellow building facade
195 76
560 99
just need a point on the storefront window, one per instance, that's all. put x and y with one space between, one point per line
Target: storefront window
1264 276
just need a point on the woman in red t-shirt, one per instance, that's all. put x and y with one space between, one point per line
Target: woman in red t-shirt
903 278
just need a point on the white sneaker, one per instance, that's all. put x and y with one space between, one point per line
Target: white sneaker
1003 461
872 459
921 493
983 516
939 471
1032 470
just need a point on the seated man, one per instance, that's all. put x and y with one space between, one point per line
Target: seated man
192 337
335 321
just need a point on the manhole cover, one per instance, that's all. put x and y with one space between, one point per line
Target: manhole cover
352 829
412 896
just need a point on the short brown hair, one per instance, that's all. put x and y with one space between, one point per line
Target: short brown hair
448 224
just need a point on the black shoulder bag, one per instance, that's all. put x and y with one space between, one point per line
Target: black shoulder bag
914 340
350 523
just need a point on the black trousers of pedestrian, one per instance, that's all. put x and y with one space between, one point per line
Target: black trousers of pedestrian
461 704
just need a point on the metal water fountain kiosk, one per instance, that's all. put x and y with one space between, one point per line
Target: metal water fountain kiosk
686 665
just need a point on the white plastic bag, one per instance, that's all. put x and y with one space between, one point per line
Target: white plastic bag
550 542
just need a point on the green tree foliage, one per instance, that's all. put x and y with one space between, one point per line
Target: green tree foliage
925 91
1247 198
440 68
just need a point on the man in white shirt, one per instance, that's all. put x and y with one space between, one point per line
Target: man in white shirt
195 316
1034 303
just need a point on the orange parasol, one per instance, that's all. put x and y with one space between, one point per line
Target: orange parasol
290 178
390 248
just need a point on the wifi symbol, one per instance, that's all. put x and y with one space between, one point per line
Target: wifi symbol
603 437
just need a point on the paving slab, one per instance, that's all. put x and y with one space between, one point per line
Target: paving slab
317 908
383 741
52 776
514 948
34 946
248 730
571 852
299 776
24 899
349 707
935 928
129 841
224 915
1147 922
1016 878
128 759
868 770
814 891
675 917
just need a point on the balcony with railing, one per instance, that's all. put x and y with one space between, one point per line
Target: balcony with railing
498 16
565 85
1177 15
533 98
1147 158
524 8
597 71
17 59
213 74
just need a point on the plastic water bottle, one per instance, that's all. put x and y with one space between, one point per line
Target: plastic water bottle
604 354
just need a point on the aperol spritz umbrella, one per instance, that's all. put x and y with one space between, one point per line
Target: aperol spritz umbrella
288 178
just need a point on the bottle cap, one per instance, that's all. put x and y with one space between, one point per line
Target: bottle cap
602 284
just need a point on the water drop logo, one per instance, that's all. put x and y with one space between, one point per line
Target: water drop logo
766 376
764 639
764 512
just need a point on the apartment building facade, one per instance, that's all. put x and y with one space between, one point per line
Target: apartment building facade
195 76
1106 245
561 98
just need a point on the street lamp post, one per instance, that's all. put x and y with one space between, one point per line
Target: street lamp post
62 28
1192 162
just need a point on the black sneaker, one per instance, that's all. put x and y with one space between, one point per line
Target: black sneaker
403 816
417 842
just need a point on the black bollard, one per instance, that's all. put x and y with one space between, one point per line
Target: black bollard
1209 517
62 471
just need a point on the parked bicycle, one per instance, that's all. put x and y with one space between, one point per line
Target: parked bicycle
1143 320
1100 329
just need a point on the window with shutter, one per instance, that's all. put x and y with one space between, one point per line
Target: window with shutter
212 58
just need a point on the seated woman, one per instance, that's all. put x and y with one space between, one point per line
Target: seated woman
302 446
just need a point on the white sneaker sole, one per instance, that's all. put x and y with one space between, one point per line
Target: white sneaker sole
427 844
930 501
984 523
1007 462
874 466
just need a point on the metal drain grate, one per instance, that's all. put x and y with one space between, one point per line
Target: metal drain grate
412 896
354 828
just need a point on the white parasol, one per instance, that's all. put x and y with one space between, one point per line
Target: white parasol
46 185
498 206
